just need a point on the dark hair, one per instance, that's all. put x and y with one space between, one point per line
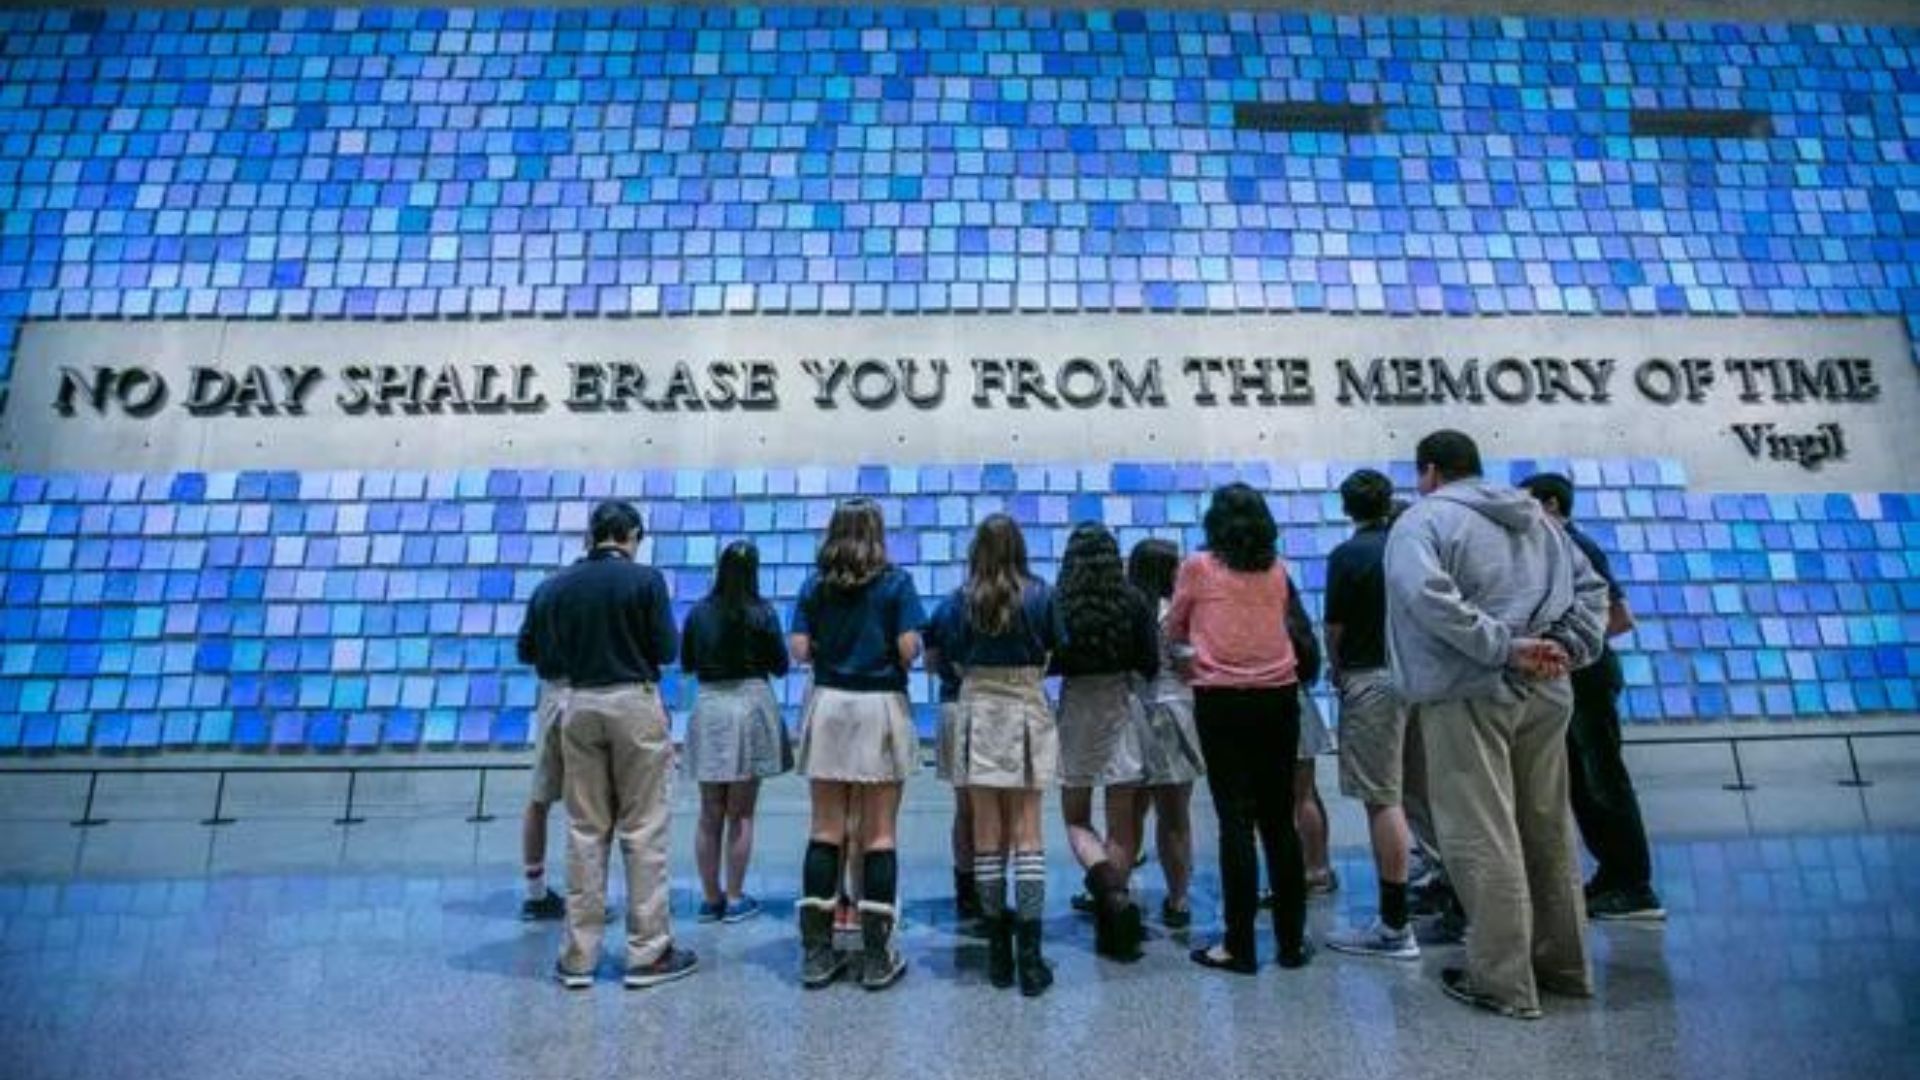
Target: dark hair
996 574
1367 495
1396 508
1152 566
1240 529
736 581
855 549
615 522
1554 486
1096 603
1451 453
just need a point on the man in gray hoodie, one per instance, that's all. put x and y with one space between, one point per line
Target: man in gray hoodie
1489 606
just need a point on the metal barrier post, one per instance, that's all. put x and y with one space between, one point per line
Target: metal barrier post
1739 774
219 803
348 818
86 819
480 801
1856 780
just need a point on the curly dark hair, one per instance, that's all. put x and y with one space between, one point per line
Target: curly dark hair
1240 529
1096 603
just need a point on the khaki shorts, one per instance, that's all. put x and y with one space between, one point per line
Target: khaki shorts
549 773
1373 736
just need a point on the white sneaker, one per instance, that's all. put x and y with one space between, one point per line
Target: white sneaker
1377 940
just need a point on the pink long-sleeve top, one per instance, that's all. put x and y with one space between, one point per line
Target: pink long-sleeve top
1235 621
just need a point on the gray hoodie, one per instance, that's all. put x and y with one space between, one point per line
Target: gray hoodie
1471 567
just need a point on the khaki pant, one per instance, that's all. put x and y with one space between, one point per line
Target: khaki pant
1499 790
619 770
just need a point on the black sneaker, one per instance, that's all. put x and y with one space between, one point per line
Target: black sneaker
546 909
1083 902
1446 928
1454 982
675 963
1627 905
1174 918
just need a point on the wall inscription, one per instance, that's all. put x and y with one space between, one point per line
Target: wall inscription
1772 395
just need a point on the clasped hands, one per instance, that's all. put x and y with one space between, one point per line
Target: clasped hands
1539 658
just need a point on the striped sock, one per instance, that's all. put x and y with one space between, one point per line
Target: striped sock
1029 884
990 874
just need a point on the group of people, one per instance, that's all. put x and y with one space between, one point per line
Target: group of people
1461 631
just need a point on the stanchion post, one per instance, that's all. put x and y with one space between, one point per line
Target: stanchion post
86 820
353 784
1739 774
480 800
1853 762
219 803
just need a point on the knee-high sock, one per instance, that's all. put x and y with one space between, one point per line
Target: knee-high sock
990 875
820 873
1029 884
880 876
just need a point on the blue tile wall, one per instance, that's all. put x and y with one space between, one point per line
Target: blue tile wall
725 160
361 609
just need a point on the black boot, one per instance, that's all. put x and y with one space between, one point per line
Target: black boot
1097 886
1117 928
1000 951
1129 930
1035 973
966 896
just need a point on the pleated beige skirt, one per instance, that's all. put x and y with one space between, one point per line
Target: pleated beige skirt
1005 733
857 738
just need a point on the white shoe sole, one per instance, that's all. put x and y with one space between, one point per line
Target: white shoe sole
1651 916
647 982
1403 955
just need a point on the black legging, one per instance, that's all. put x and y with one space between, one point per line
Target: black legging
1250 737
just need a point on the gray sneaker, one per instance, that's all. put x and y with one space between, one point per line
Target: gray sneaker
1627 905
1458 987
675 963
1377 940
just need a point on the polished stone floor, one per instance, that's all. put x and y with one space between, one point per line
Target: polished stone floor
284 946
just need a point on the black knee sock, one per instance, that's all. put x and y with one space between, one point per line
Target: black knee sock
820 873
880 877
1393 904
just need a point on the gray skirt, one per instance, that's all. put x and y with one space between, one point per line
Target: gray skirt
1004 731
858 738
735 733
946 740
1315 739
1169 742
1099 733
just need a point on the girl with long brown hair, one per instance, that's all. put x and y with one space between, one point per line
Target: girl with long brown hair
1000 629
857 623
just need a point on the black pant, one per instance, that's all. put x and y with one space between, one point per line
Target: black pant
1250 738
1604 803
